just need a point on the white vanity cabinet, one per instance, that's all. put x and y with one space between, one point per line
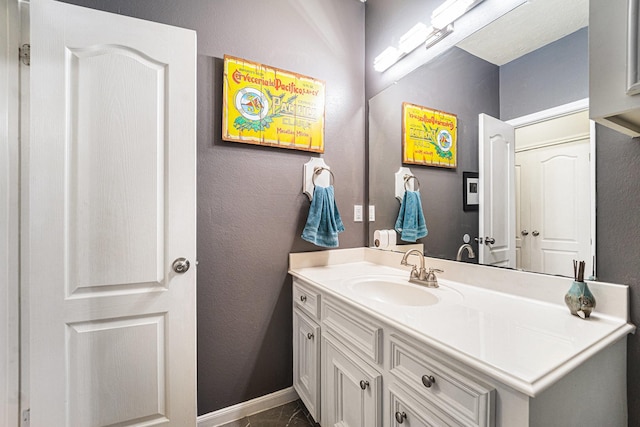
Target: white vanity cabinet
614 68
500 353
372 376
306 347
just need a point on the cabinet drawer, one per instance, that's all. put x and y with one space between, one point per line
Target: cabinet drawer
307 299
406 411
356 332
466 399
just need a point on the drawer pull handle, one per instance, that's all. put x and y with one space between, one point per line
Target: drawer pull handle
309 335
428 380
303 298
400 417
364 384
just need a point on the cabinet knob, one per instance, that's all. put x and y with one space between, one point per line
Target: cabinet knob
309 335
400 417
524 232
428 380
364 384
303 298
535 233
489 240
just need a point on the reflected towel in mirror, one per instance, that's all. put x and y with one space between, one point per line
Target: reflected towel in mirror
410 223
324 222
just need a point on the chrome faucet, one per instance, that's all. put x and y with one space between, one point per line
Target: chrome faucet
461 250
421 276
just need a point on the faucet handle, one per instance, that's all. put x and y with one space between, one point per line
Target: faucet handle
414 271
432 280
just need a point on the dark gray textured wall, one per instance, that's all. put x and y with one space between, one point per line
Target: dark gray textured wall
251 209
456 82
553 75
618 235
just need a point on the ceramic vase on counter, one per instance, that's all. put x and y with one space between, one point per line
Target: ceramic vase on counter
580 300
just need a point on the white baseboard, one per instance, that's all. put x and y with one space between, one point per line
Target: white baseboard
250 407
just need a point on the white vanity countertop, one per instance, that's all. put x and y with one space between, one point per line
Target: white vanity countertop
524 343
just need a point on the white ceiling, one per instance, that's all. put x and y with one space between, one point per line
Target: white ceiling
527 28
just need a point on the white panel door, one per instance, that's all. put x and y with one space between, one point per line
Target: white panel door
111 205
496 189
560 207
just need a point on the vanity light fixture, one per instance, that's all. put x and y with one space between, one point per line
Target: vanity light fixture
414 37
387 58
442 20
451 10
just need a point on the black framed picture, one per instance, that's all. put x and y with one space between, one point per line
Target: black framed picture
470 196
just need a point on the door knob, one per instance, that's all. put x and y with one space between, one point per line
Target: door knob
535 233
181 265
524 232
489 240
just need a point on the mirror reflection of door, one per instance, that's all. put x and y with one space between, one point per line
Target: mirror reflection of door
496 184
553 199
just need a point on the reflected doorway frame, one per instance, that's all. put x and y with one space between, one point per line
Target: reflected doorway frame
565 110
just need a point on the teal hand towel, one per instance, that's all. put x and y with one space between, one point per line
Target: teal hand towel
410 223
324 222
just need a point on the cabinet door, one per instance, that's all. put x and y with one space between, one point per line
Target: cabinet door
351 389
306 362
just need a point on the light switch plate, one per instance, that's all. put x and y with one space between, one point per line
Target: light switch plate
357 213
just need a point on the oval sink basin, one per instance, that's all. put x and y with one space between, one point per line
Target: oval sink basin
392 291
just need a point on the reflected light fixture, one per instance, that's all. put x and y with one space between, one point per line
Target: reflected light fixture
386 59
451 10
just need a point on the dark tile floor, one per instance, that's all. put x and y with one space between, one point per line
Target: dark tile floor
292 414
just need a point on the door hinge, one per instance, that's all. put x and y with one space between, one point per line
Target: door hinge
25 54
26 417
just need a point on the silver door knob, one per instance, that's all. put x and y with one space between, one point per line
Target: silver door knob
489 240
428 380
524 232
364 384
181 265
478 239
400 417
535 233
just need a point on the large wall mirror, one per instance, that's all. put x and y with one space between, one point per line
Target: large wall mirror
529 69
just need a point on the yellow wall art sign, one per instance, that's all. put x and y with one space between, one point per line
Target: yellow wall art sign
267 106
429 137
